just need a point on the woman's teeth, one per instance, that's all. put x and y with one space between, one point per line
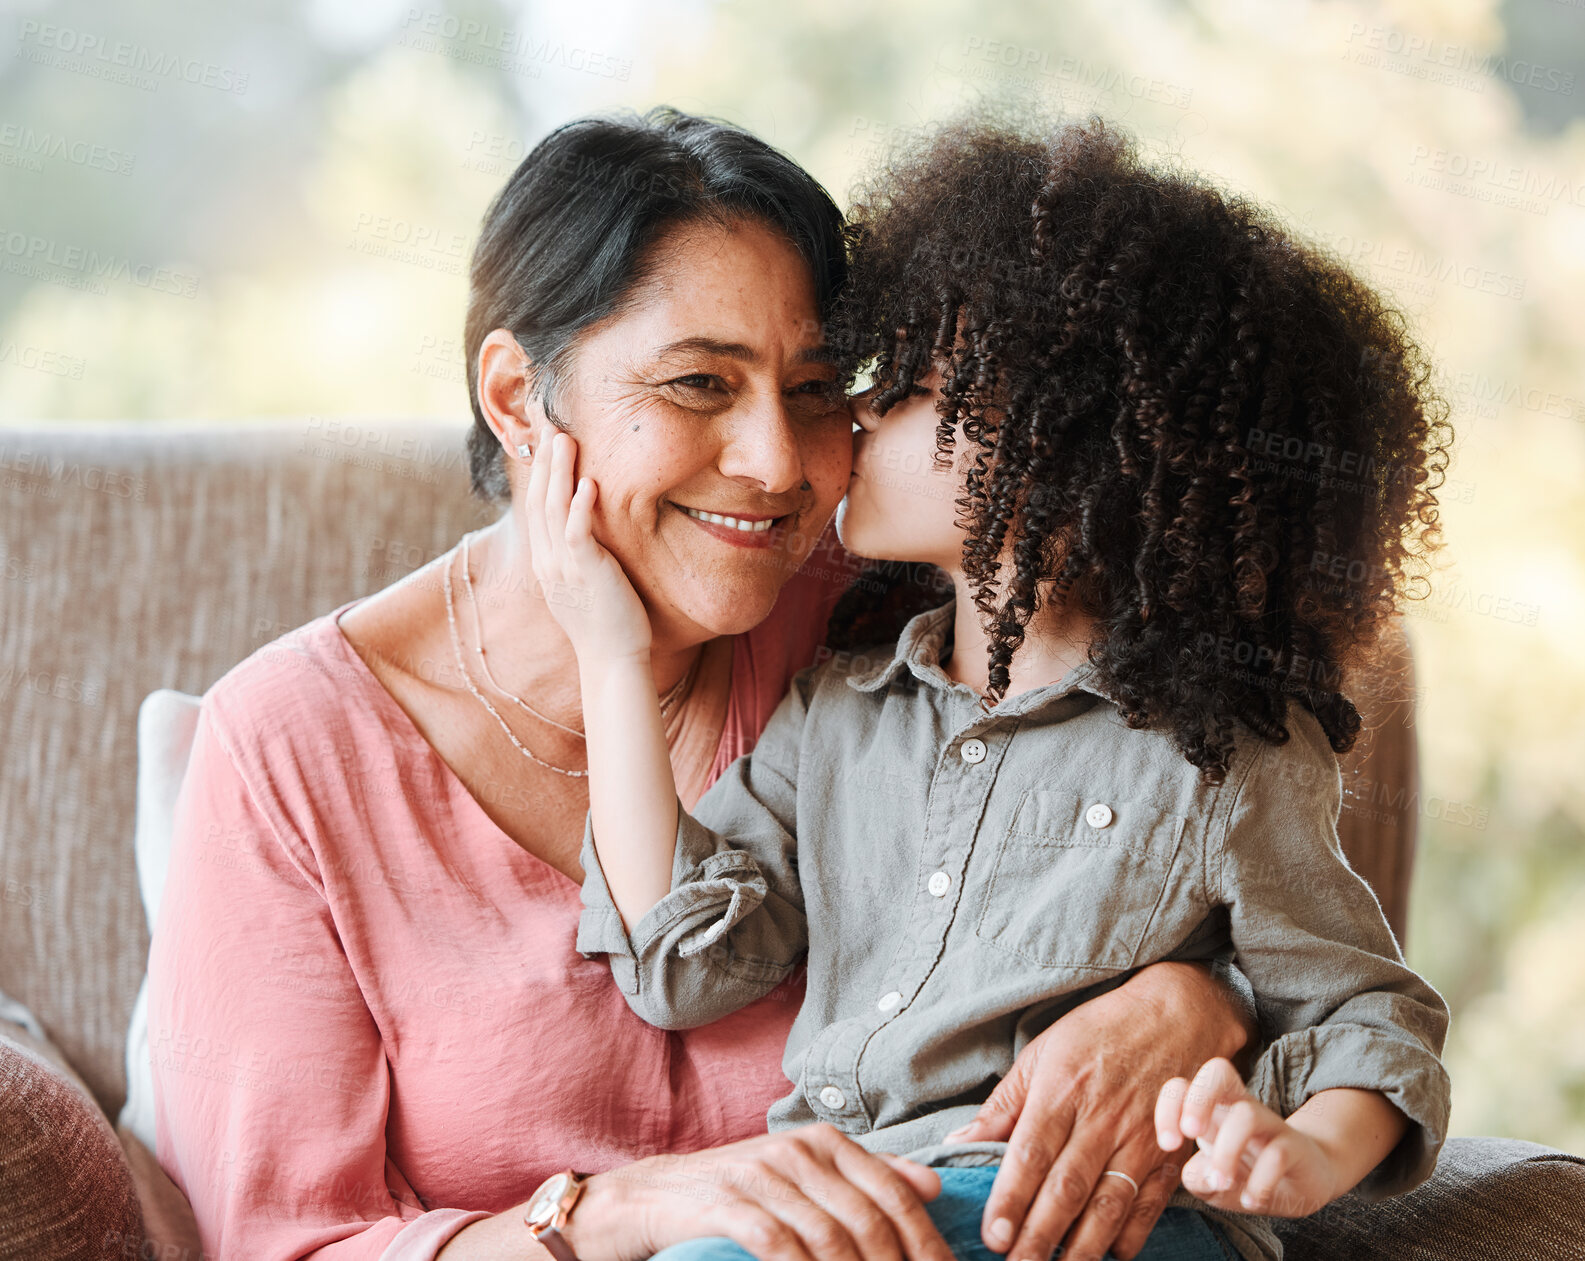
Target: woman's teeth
716 518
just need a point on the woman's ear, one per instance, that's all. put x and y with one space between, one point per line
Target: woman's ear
507 396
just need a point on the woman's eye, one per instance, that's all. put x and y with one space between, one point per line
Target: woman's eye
828 392
817 398
694 381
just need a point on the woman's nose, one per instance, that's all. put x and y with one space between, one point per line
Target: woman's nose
762 446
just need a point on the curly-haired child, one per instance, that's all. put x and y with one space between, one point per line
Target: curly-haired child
1134 423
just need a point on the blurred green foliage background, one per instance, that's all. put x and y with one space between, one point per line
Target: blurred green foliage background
263 209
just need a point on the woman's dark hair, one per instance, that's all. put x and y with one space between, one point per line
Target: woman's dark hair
1211 435
566 242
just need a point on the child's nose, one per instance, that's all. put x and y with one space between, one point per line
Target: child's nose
863 440
863 415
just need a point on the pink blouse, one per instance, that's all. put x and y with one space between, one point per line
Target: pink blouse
368 1023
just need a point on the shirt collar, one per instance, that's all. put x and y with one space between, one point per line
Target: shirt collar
919 650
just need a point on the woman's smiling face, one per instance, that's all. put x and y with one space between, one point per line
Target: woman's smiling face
708 416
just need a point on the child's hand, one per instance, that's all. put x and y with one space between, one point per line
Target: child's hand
589 595
1250 1159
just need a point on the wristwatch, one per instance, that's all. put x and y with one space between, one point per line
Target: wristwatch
548 1208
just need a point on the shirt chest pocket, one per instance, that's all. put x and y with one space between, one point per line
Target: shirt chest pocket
1077 883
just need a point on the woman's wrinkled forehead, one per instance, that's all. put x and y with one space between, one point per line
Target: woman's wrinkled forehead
737 289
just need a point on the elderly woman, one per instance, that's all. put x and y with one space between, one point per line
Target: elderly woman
378 1035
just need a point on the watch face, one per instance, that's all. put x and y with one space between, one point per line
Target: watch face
543 1210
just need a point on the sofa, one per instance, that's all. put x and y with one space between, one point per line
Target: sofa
145 556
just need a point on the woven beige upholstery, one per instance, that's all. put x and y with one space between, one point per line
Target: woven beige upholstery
1381 810
1491 1198
138 557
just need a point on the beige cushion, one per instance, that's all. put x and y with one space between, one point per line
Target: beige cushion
166 723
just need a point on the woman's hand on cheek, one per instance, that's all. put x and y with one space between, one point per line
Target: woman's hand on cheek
1080 1100
588 593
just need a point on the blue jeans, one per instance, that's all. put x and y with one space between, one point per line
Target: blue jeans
1180 1235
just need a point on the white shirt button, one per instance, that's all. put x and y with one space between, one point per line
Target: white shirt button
1098 815
888 1001
833 1098
973 751
939 884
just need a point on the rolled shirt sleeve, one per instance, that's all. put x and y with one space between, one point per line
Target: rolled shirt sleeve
733 925
1337 1004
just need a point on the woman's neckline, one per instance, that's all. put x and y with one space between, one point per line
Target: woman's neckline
411 732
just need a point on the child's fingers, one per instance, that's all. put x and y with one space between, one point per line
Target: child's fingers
1216 1082
534 509
580 522
1169 1112
1198 1178
1263 1188
1239 1129
558 494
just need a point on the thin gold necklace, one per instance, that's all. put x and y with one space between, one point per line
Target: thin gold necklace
668 702
467 678
462 669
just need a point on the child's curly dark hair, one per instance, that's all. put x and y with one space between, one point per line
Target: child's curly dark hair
1212 435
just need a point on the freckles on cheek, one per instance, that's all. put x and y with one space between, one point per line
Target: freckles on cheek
629 470
829 474
622 510
634 509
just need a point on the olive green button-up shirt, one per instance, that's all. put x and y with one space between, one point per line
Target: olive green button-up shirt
959 879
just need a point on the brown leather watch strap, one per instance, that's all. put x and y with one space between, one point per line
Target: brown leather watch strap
556 1245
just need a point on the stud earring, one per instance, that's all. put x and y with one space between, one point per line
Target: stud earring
522 450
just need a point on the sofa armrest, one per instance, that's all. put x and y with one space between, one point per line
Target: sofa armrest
65 1184
1378 824
1489 1197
